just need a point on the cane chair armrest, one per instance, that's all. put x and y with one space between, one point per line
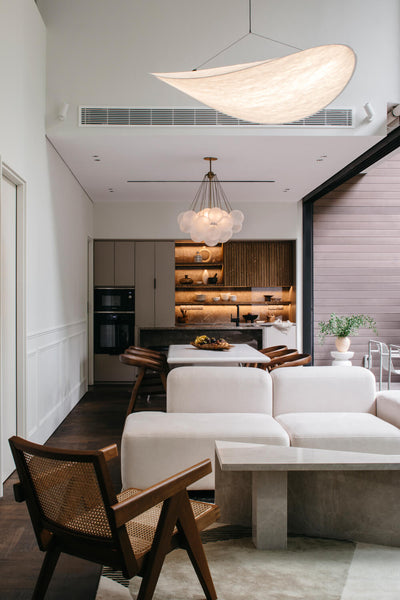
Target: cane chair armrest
110 451
130 508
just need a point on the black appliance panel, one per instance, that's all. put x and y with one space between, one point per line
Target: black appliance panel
114 299
113 332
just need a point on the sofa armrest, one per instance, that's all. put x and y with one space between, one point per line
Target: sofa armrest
388 407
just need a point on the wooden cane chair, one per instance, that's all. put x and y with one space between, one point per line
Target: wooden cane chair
156 368
74 509
297 360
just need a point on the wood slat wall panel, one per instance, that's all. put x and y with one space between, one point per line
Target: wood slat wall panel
259 263
357 257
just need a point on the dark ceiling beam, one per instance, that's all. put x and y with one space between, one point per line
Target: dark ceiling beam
384 147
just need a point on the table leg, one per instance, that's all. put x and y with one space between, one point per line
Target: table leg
269 510
233 495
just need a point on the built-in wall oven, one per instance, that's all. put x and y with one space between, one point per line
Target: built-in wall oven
114 319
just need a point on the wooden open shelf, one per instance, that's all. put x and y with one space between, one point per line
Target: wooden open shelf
229 303
194 265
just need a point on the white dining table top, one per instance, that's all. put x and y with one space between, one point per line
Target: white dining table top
186 354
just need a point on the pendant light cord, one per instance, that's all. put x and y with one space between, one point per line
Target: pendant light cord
250 32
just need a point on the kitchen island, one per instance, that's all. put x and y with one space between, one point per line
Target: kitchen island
163 337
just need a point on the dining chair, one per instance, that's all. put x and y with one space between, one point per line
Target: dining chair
385 355
279 359
273 350
156 369
295 360
74 509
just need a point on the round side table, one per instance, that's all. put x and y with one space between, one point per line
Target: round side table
341 359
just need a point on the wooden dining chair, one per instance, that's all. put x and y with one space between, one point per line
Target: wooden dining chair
74 509
273 350
155 369
296 360
280 357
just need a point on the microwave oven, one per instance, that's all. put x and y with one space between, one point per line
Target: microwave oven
114 299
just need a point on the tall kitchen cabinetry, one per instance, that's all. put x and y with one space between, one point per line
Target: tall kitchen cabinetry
154 284
149 268
114 263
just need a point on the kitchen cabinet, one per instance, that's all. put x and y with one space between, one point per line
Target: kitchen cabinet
114 263
155 288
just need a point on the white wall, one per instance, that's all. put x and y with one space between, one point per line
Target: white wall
58 223
103 52
157 220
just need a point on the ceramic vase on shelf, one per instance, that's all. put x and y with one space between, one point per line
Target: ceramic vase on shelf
342 344
205 277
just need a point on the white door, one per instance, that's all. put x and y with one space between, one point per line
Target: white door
8 370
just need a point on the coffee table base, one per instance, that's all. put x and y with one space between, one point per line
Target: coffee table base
358 505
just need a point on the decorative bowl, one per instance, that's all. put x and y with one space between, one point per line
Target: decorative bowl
249 318
216 299
225 296
200 297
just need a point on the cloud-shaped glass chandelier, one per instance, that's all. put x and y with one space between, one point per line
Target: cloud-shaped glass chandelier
273 91
210 218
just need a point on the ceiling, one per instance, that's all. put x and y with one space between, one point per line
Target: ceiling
139 165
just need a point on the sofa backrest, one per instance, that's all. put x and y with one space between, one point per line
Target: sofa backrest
218 390
323 389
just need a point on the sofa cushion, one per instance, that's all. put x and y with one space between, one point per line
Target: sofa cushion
156 445
323 389
388 406
219 389
357 432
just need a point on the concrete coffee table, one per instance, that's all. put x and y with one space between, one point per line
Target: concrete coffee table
341 495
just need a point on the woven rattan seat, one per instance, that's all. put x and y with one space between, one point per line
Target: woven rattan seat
74 509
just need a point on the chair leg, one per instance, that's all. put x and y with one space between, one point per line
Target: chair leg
135 390
46 572
161 545
194 547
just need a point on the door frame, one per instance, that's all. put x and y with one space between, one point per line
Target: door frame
20 184
89 328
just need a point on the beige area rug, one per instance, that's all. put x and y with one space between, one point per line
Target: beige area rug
311 569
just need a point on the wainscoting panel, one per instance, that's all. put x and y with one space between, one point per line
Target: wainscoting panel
56 377
357 257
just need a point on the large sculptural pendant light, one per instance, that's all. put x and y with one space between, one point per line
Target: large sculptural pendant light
272 91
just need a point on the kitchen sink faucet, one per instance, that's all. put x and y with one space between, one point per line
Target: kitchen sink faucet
237 318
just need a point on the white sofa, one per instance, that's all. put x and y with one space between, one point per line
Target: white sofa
204 404
314 407
334 408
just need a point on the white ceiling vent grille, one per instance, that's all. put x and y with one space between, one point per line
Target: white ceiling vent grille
108 116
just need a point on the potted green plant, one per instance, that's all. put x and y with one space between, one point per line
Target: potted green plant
342 327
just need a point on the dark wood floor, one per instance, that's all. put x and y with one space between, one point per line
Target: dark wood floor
95 422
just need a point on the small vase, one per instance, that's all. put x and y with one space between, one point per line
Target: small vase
205 277
342 344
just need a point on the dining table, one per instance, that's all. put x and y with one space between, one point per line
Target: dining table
237 354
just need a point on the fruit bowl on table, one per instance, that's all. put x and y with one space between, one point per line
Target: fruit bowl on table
203 342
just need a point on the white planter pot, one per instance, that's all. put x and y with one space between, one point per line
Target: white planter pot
342 344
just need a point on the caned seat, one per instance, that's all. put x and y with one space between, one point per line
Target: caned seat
74 509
